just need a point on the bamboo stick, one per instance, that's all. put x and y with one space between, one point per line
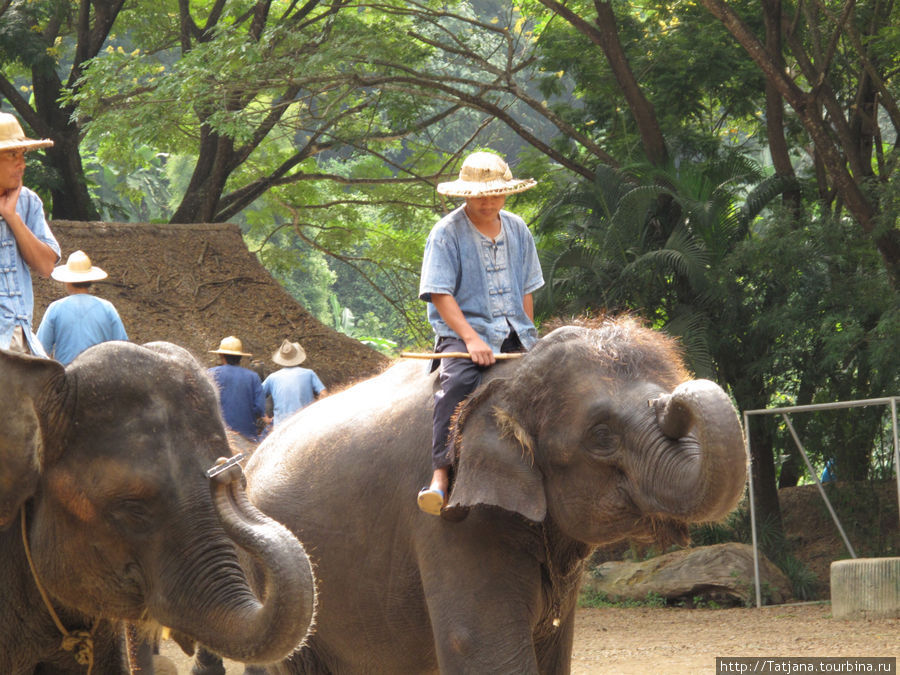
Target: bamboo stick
456 355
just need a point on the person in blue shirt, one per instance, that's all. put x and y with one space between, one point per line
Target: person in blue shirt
828 472
81 320
26 242
291 387
240 389
479 271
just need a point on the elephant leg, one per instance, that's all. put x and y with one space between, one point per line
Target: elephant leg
482 602
554 652
207 663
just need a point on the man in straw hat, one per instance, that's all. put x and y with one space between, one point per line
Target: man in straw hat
240 389
291 387
72 324
26 242
479 272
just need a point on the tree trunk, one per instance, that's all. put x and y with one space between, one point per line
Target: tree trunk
71 200
641 109
762 458
750 393
200 203
778 146
606 36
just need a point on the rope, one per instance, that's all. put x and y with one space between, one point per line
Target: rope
555 581
79 642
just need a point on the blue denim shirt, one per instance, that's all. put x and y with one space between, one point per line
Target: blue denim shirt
291 389
16 293
73 323
488 278
241 398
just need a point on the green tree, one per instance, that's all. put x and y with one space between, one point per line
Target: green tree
257 93
837 81
44 47
696 94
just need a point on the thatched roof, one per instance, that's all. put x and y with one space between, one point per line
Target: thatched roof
195 284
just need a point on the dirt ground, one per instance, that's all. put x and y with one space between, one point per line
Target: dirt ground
675 641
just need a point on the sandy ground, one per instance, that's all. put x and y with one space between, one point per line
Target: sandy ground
676 641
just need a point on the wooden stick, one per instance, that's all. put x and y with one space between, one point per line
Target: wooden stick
456 355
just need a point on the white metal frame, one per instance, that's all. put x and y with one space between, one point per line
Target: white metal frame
891 401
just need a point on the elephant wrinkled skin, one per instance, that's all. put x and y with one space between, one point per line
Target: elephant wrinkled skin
106 461
595 435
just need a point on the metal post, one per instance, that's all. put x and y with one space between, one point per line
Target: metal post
892 401
896 449
815 476
752 511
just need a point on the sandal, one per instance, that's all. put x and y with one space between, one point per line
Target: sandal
431 500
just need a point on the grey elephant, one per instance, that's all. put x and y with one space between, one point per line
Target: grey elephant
108 516
596 435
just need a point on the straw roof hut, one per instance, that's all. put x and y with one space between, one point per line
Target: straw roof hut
195 284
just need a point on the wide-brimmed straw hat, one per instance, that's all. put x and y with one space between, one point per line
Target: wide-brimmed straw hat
13 138
484 174
289 354
78 269
230 345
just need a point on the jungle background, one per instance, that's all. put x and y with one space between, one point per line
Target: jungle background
727 171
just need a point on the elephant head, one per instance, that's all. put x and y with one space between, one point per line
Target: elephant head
108 458
603 430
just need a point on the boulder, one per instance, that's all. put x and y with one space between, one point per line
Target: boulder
722 573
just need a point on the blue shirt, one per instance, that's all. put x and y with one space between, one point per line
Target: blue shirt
489 279
241 398
291 388
16 293
76 322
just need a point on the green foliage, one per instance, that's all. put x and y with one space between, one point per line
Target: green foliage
136 194
597 600
650 241
804 583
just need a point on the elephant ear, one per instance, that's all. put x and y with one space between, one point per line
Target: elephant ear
493 460
26 383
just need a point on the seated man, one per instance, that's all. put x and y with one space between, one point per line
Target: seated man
479 271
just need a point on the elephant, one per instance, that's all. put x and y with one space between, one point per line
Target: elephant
121 505
596 435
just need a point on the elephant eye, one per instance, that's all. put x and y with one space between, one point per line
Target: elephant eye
602 440
132 516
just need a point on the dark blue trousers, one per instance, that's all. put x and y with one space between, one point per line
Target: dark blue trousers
458 378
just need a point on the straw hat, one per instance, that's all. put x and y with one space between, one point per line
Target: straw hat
485 174
230 345
13 138
78 269
289 354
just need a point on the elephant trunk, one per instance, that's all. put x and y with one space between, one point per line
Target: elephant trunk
702 477
222 611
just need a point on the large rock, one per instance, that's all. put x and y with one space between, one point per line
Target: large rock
723 573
